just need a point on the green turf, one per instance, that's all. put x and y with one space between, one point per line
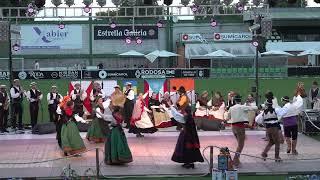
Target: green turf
280 87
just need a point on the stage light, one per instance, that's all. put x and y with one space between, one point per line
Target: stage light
256 2
39 3
113 25
87 9
254 27
138 40
30 8
128 40
255 43
185 2
167 2
240 7
160 24
16 47
213 23
102 3
194 8
61 25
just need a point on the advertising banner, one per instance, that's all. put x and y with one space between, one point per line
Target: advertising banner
51 37
244 36
121 32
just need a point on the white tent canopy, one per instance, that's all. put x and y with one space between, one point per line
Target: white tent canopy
132 53
220 53
162 54
309 52
276 53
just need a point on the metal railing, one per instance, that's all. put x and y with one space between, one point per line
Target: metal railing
139 11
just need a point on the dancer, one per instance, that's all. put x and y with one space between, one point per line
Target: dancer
230 100
251 114
34 96
116 149
99 128
4 108
96 91
78 96
202 105
71 140
53 98
270 119
17 93
289 114
300 91
314 94
118 98
60 120
182 103
218 106
129 104
140 120
187 149
238 118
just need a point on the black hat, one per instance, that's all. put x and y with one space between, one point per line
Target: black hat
182 89
268 102
237 98
269 95
285 98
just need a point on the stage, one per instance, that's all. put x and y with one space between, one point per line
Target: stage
151 155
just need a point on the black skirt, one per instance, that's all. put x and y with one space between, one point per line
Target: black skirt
188 146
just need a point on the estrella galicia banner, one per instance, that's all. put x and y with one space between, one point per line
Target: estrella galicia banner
122 32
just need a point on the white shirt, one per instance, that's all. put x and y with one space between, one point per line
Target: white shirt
13 93
74 96
239 113
102 94
37 66
54 97
130 96
290 109
29 96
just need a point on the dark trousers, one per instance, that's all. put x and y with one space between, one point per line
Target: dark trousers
128 108
17 110
58 129
3 118
34 110
52 108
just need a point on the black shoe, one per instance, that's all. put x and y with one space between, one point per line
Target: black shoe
139 135
6 131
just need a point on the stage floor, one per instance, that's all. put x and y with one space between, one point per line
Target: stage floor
151 155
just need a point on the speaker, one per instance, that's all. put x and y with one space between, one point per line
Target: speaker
208 124
83 127
44 128
308 120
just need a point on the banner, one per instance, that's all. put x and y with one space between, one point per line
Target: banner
122 32
46 75
244 36
51 37
158 86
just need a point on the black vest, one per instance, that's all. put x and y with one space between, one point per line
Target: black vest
34 95
18 99
314 93
127 92
56 100
78 99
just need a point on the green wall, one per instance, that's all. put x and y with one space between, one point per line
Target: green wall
280 87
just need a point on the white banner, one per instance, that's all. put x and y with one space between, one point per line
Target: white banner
51 37
245 36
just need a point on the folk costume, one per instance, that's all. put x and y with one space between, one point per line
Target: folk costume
202 105
117 150
16 94
96 92
78 96
187 149
129 104
140 119
4 108
289 114
60 120
218 108
99 128
53 98
34 97
238 118
314 95
71 140
162 117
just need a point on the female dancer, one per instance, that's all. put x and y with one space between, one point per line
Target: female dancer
140 120
218 106
117 150
202 105
187 149
99 128
71 140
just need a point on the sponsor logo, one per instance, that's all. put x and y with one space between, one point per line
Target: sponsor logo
232 36
4 75
145 32
54 75
102 74
201 73
36 75
68 74
154 73
52 35
22 75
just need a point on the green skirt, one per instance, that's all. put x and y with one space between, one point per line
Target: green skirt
117 150
95 133
71 140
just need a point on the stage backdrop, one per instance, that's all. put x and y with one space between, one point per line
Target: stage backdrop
159 86
87 87
188 84
108 86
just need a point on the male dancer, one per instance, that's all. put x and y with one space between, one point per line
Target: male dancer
129 104
53 98
238 118
78 96
34 96
4 107
16 93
